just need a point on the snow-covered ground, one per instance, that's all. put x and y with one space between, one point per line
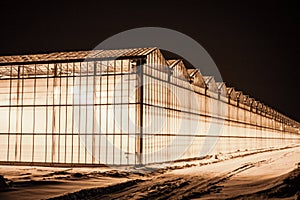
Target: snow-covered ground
239 174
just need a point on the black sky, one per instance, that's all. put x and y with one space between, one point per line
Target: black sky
255 45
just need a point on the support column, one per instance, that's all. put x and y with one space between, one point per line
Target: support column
55 114
18 117
140 110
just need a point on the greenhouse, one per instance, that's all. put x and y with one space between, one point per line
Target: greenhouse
125 107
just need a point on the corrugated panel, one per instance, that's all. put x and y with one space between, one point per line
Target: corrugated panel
220 85
222 88
207 79
245 99
172 63
229 90
196 77
231 93
76 55
115 53
44 57
239 94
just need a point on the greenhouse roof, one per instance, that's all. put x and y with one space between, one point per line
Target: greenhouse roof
75 55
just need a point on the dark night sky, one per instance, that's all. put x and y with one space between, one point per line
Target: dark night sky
255 45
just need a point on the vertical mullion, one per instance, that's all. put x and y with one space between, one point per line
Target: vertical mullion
67 108
9 112
121 113
150 102
34 102
86 110
153 91
107 88
53 115
47 106
114 111
136 114
94 107
59 114
128 109
156 97
100 112
22 110
73 106
79 117
165 116
150 113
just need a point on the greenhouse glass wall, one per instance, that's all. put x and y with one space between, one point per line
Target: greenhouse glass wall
125 107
